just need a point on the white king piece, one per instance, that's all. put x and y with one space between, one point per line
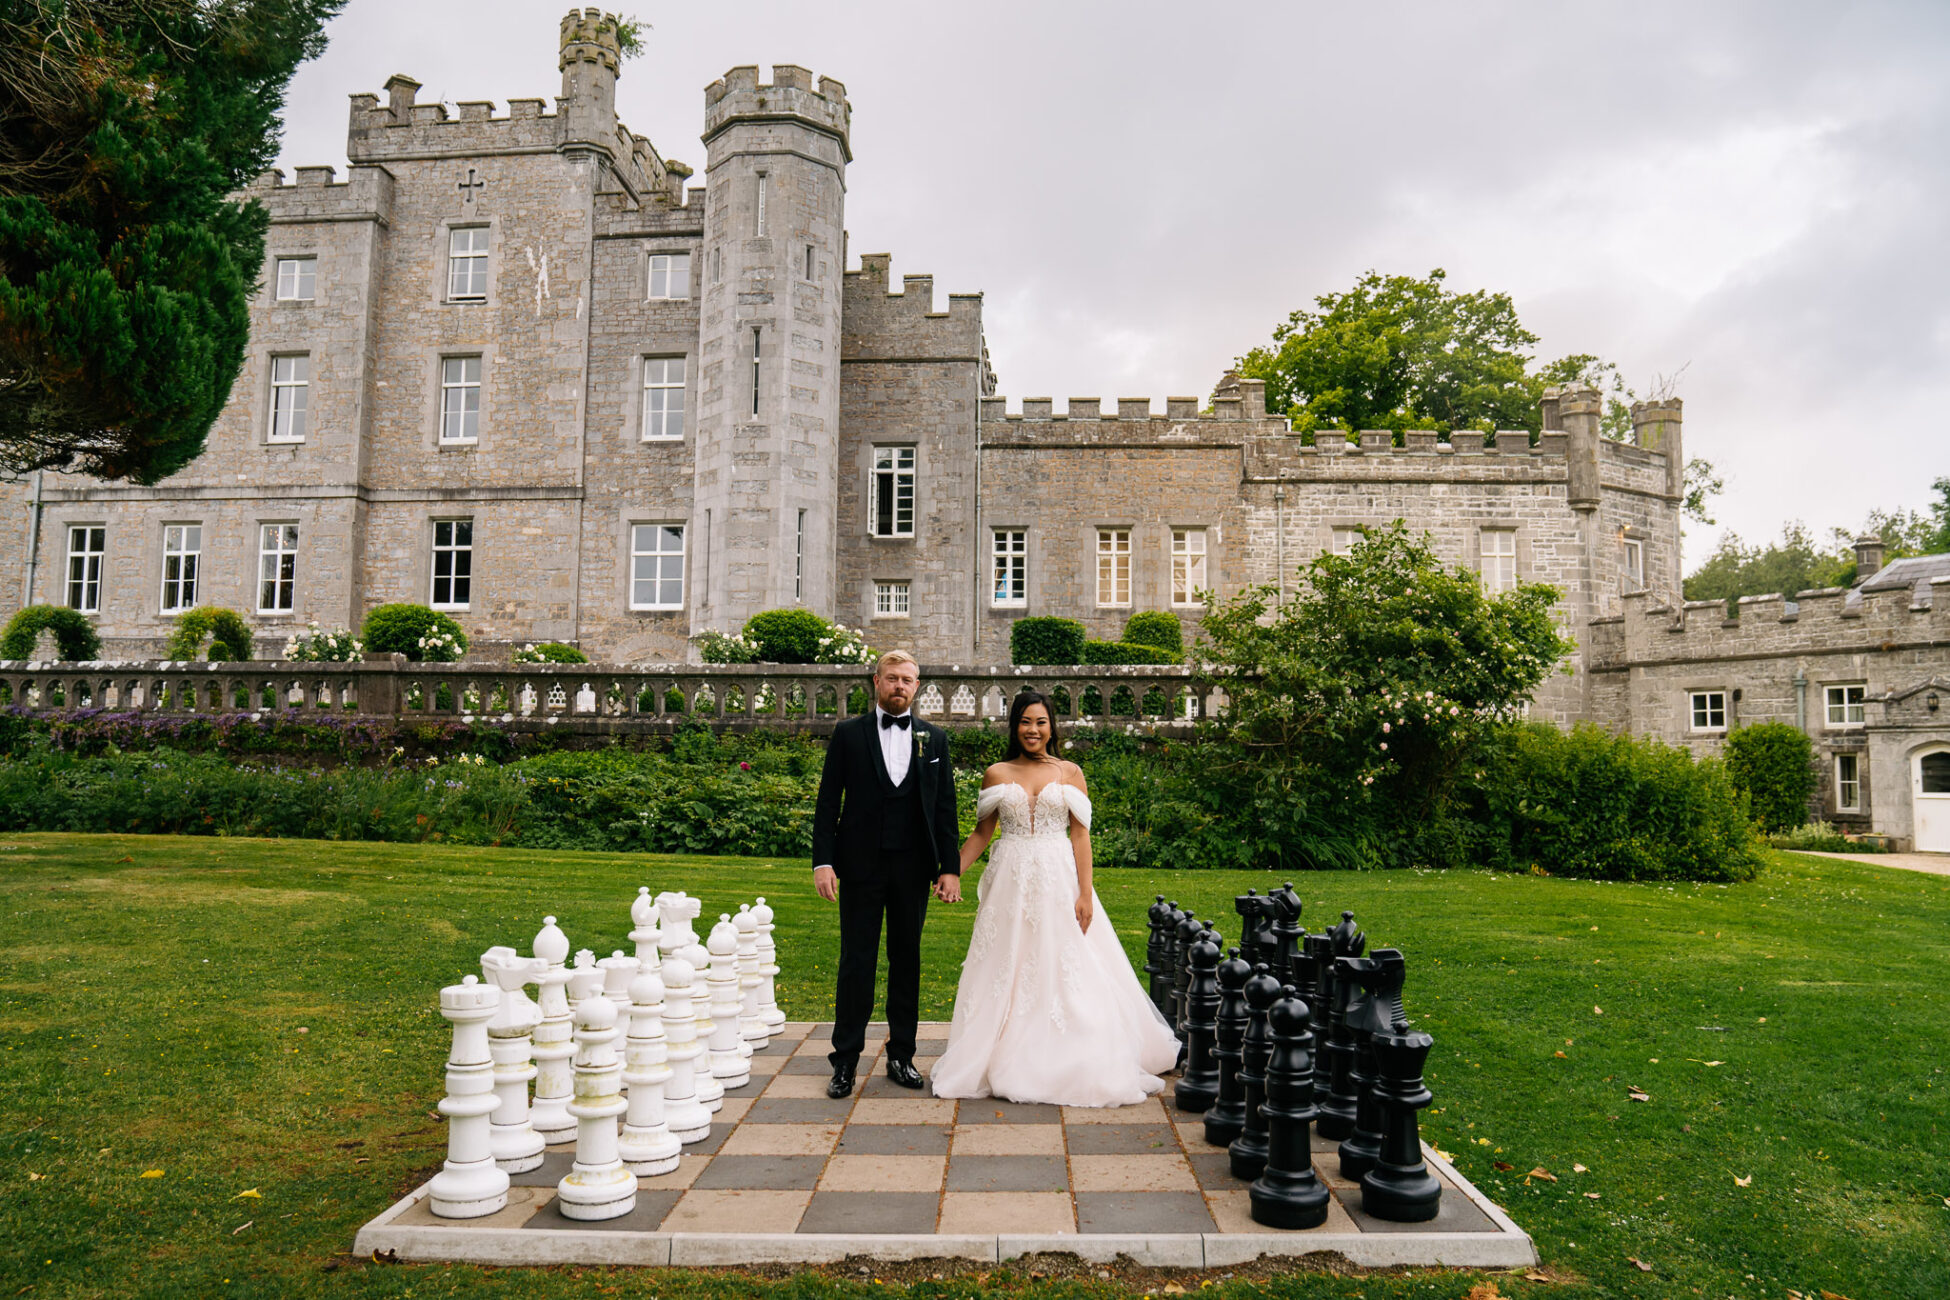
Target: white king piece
468 1185
751 1022
768 968
517 1146
598 1185
684 1112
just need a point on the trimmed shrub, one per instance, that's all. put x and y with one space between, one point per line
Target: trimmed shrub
1775 765
74 636
1046 641
1156 627
229 635
550 652
1820 837
1125 652
313 646
726 648
787 636
415 631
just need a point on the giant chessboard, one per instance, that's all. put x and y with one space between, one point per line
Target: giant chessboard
789 1176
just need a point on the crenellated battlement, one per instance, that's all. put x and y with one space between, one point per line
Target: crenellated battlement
1829 620
739 96
316 194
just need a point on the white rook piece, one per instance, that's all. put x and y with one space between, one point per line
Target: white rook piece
643 928
517 1146
768 967
554 1085
684 1111
468 1185
751 1023
597 1186
618 970
648 1146
729 1053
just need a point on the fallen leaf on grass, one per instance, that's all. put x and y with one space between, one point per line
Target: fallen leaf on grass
1696 1061
1534 1276
1452 1159
1579 1169
1638 1264
1496 1164
1597 1011
1484 1291
1543 1173
249 1193
1830 1295
1482 1142
35 1178
1748 1181
1560 1056
151 1173
1591 1196
240 1227
1172 1288
1639 1096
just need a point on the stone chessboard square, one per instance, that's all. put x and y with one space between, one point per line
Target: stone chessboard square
1213 1169
1455 1214
709 1210
762 1173
929 1047
800 1085
1122 1139
877 1212
1007 1174
894 1140
881 1088
1143 1212
782 1140
799 1110
1009 1140
710 1144
555 1164
882 1173
651 1208
1233 1212
764 1064
1012 1212
909 1108
816 1064
1119 1173
988 1110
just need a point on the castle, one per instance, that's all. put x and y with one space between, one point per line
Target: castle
514 366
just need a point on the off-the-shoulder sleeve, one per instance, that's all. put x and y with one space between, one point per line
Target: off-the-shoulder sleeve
988 801
1079 803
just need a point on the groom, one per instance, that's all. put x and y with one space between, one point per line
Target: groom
883 838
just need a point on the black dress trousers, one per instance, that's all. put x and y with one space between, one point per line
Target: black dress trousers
896 889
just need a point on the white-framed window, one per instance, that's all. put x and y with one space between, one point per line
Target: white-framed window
799 556
1499 560
297 279
760 231
892 504
467 263
1634 564
460 399
182 553
277 568
892 599
86 545
758 339
1187 565
1709 710
663 398
1345 539
1113 566
453 563
1848 783
656 566
1010 550
290 399
1847 705
670 275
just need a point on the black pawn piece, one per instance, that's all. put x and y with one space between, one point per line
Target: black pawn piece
1156 947
1249 1149
1227 1116
1373 1006
1198 1086
1334 1088
1400 1187
1183 937
1287 1194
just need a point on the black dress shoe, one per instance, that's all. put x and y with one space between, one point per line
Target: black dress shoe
904 1074
842 1084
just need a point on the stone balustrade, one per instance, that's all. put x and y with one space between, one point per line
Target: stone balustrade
598 697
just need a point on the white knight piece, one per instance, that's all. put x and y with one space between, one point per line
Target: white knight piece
517 1146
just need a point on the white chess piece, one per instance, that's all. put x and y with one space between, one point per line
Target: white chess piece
585 978
643 929
468 1185
517 1146
728 1065
648 1146
710 1089
686 1114
768 968
676 912
598 1185
554 1084
751 1024
618 970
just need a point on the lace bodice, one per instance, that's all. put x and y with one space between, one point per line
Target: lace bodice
1048 814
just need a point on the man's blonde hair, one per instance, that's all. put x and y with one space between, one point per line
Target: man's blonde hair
895 657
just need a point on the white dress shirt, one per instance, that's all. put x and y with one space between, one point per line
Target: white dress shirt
896 749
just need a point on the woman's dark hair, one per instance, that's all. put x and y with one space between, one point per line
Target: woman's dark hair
1016 709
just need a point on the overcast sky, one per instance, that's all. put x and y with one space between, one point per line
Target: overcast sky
1756 193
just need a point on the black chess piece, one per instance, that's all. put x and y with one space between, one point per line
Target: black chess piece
1183 937
1374 1003
1400 1187
1198 1086
1306 977
1248 1150
1283 907
1227 1116
1337 1099
1255 940
1155 947
1287 1193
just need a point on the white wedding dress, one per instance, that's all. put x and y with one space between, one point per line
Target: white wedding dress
1046 1012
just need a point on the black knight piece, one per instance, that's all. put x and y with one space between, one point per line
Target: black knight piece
1400 1187
1198 1086
1287 1194
1374 1002
1284 907
1248 1150
1227 1116
1334 1078
1255 936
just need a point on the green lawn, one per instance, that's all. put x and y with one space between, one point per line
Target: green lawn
1789 1032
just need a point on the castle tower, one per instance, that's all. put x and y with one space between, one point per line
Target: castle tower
769 345
591 53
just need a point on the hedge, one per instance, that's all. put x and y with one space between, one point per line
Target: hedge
787 636
399 628
1046 641
75 637
229 636
1126 652
1774 764
1156 627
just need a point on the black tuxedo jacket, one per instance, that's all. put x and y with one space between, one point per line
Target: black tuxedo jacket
854 785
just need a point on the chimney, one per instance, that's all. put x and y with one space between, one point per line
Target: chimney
399 97
1868 557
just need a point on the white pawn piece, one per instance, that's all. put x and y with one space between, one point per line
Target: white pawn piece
585 978
468 1185
684 1110
751 1025
554 1084
618 970
729 1053
710 1090
598 1185
517 1146
768 968
648 1146
643 928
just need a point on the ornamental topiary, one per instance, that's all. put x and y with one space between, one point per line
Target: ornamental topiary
1156 627
229 635
1125 652
74 636
1774 763
787 636
415 631
1046 641
550 652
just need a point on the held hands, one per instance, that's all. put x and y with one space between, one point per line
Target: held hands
1084 913
826 882
947 887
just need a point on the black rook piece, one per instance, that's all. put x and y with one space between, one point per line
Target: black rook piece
1400 1188
1198 1086
1287 1194
1374 1003
1228 1114
1248 1150
1157 948
1334 1083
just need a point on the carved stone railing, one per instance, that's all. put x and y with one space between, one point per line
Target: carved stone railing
598 697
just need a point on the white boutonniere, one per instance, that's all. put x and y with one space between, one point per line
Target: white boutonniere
920 742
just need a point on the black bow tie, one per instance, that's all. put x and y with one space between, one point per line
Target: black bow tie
891 720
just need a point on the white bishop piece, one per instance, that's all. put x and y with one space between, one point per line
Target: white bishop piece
729 1053
468 1185
751 1023
597 1186
517 1146
768 968
686 1115
554 1084
648 1146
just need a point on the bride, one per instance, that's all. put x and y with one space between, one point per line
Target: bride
1048 1009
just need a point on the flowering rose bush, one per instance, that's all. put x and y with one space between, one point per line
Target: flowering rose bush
315 647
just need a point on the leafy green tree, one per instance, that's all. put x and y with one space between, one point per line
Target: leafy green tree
125 266
1793 564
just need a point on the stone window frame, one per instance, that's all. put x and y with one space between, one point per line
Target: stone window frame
1854 759
1099 553
650 256
275 280
434 549
1695 710
892 598
485 256
1860 705
1631 543
893 470
997 554
297 528
300 386
435 359
630 554
641 411
1173 555
1515 556
1336 530
188 576
100 558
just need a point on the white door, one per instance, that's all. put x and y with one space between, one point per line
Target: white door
1931 793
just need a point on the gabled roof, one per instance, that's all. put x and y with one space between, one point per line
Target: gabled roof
1909 572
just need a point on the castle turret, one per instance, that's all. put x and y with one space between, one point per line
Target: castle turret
1656 427
591 54
769 343
1578 408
